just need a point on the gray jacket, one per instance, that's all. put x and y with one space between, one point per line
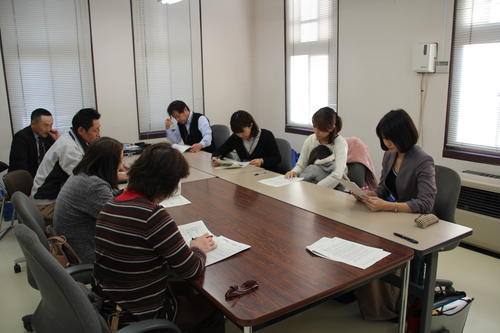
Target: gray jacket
416 181
314 173
77 205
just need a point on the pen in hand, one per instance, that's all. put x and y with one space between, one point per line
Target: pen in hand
414 241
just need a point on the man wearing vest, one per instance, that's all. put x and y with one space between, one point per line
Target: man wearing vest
193 128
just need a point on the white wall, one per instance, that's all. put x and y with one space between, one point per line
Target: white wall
375 76
227 57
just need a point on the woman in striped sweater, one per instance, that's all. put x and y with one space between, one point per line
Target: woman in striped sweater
139 247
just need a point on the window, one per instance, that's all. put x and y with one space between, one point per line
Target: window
47 56
167 46
311 60
473 127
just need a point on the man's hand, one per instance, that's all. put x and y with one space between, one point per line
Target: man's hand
257 162
54 134
168 122
196 147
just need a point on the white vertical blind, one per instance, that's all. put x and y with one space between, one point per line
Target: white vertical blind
48 58
167 42
311 31
474 109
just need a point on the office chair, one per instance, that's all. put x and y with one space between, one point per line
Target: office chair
220 133
29 215
18 180
3 166
357 173
286 155
65 305
448 189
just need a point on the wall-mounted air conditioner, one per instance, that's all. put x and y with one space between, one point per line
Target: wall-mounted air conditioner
479 208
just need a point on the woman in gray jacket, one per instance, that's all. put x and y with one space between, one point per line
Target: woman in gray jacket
408 182
93 183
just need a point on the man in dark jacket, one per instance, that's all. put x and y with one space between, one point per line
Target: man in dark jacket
30 144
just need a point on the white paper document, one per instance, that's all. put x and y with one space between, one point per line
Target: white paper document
279 181
231 164
181 148
352 187
348 252
225 246
173 201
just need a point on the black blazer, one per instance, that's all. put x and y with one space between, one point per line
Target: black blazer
24 152
266 148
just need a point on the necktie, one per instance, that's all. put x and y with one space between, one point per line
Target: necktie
41 150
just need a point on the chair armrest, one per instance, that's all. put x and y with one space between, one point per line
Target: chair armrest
149 325
81 273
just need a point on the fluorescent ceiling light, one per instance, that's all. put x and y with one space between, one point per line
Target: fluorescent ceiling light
169 2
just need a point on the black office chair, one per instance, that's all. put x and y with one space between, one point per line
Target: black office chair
3 166
18 180
286 155
220 133
357 173
65 305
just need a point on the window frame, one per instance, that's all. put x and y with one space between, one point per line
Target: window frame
296 129
462 153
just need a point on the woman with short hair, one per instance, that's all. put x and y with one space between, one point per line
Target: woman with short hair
253 144
139 247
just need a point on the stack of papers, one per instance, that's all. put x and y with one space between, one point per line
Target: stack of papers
279 181
173 201
181 148
348 252
231 164
225 246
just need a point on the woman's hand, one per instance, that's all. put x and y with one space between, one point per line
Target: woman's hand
376 204
205 243
257 162
215 161
365 191
290 174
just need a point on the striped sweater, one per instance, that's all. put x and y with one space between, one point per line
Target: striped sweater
138 247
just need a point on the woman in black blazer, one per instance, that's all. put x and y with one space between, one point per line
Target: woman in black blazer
251 143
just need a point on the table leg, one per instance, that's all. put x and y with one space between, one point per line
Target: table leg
428 297
247 329
404 296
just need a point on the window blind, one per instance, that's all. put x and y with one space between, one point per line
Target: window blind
311 58
474 101
167 46
48 59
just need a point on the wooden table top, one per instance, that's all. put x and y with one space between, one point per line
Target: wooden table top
289 277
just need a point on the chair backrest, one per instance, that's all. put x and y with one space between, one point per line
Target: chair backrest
3 166
286 155
220 133
448 189
28 214
64 306
357 173
18 180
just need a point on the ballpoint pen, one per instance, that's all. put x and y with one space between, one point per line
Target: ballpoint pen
414 241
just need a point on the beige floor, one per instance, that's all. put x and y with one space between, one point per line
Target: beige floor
476 273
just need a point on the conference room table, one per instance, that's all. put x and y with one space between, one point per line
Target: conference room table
342 207
290 278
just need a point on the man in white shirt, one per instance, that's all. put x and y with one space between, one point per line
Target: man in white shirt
192 128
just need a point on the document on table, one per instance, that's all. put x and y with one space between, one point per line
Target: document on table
225 246
181 148
231 164
353 188
348 252
279 181
176 200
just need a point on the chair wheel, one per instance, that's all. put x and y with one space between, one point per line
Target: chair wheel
27 323
17 268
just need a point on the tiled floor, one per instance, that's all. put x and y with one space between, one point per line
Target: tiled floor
475 273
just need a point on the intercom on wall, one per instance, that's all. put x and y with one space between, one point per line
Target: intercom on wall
424 57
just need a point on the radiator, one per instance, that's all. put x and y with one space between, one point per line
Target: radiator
479 208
